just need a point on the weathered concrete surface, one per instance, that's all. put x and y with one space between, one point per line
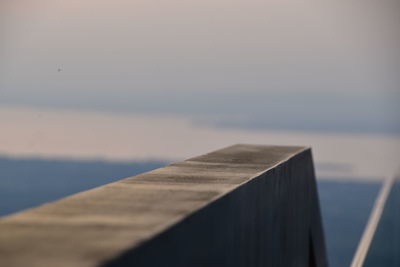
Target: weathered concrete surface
244 205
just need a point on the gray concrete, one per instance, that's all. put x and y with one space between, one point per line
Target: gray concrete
244 205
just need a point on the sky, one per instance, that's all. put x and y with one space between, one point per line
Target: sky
251 67
185 56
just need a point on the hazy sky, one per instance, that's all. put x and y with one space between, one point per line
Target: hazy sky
303 64
170 79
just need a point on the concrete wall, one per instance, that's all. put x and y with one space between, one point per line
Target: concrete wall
244 205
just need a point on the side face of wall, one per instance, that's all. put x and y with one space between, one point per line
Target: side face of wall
244 205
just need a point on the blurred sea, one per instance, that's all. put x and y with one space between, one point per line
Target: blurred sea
25 183
50 154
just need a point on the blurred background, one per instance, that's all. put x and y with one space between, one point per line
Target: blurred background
94 91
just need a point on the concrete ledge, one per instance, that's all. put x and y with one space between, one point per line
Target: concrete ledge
244 205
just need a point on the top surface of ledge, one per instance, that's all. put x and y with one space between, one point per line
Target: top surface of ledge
90 227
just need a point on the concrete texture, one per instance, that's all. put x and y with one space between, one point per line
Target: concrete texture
244 205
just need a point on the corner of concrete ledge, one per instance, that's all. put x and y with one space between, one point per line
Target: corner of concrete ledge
244 205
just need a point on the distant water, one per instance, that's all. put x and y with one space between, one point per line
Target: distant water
345 208
25 183
54 133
